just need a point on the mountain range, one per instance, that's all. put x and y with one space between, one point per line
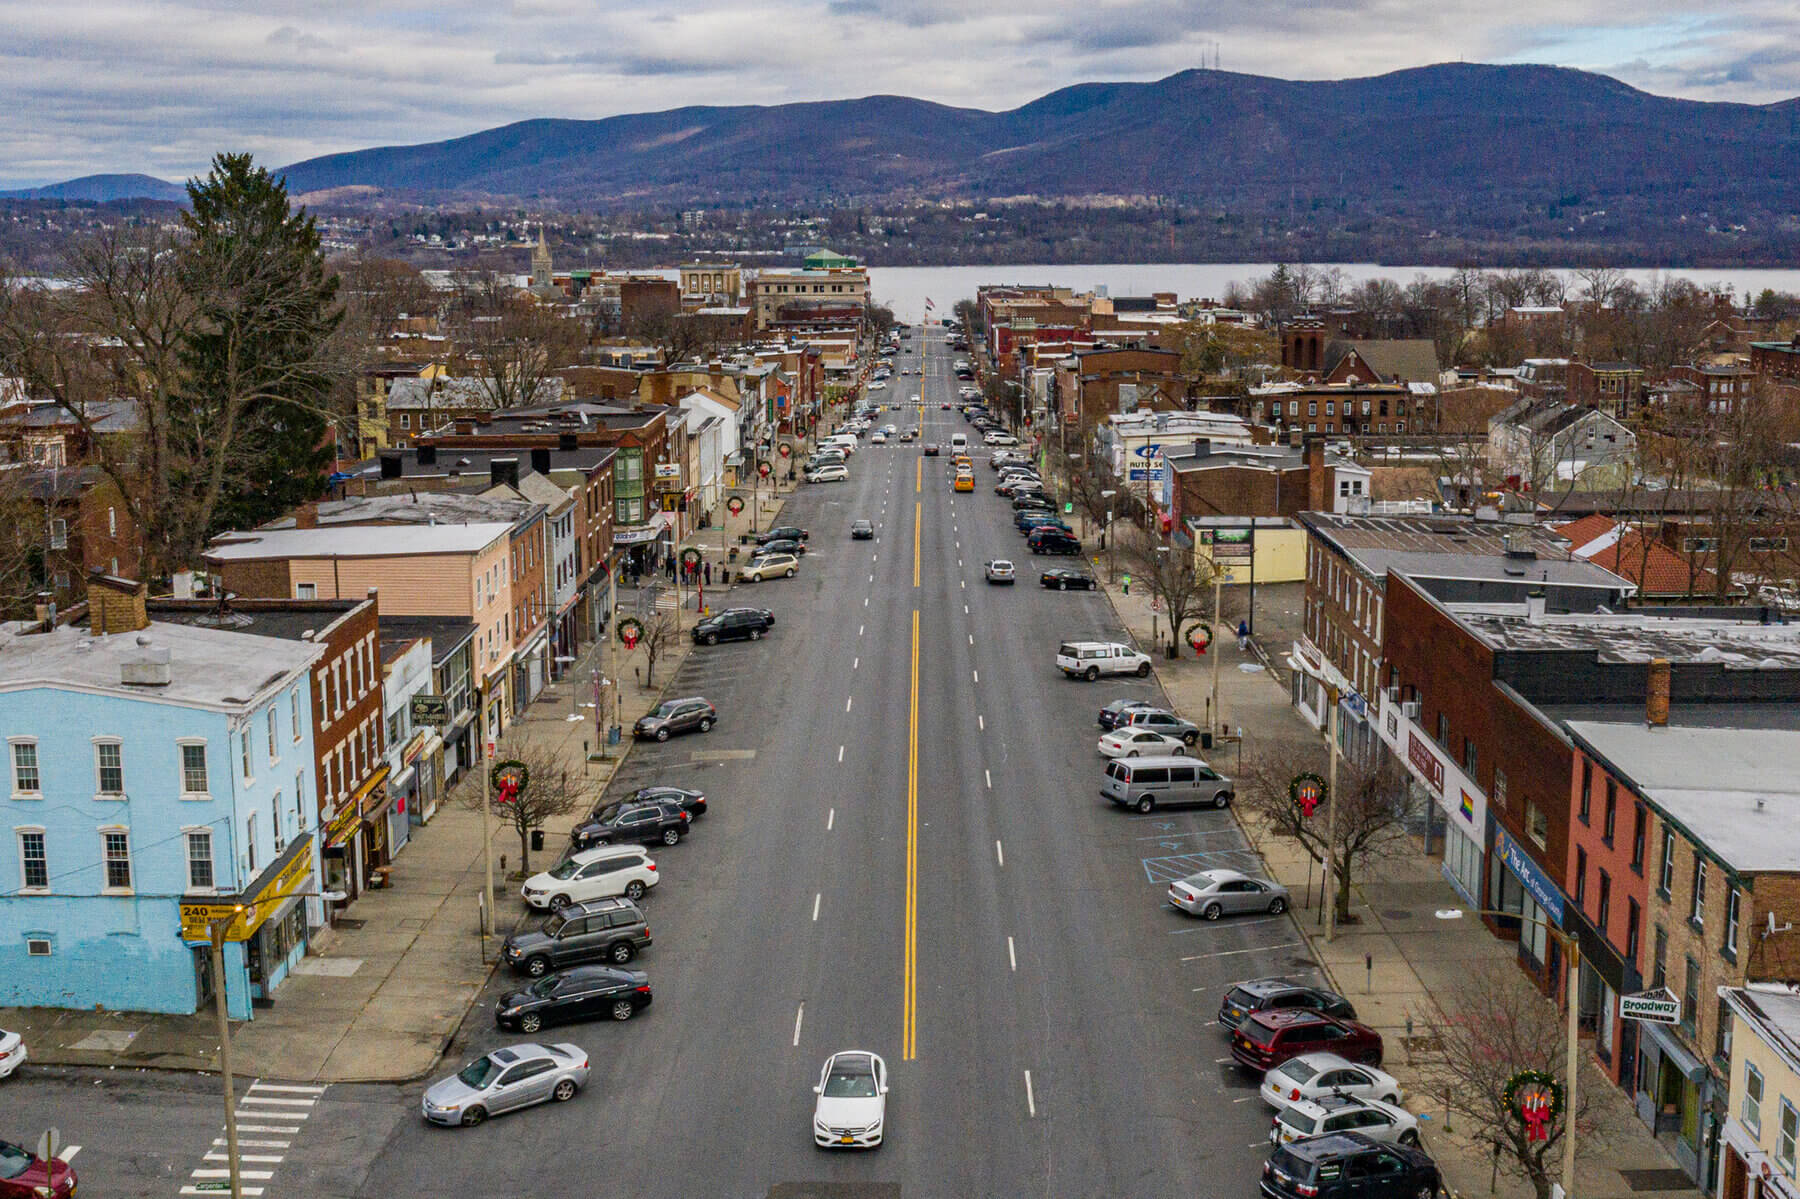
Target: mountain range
1464 138
102 189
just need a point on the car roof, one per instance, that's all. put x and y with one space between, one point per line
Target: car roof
1285 1017
1270 986
1328 1105
851 1058
1332 1144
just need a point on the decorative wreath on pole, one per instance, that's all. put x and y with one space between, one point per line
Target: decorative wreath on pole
1200 636
1308 790
734 505
509 777
631 631
1537 1098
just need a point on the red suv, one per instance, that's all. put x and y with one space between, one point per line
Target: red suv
1266 1039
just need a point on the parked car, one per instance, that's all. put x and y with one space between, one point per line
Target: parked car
1109 715
862 530
738 625
768 617
780 546
1031 497
626 821
1000 438
1274 994
602 930
506 1080
1157 720
1315 1075
1266 1039
851 1108
592 874
1000 571
1032 519
689 715
686 798
782 533
828 474
1052 541
1340 1113
1348 1165
1091 659
581 993
1214 893
769 566
1130 742
24 1174
1145 784
12 1052
1063 578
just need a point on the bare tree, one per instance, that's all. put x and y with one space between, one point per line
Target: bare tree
23 545
1372 811
660 636
1493 1028
549 791
1178 579
513 343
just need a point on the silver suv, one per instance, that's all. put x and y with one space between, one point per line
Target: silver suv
610 930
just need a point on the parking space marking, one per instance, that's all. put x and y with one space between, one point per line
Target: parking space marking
1167 870
1231 953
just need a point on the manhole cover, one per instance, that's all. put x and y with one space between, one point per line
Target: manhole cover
1396 914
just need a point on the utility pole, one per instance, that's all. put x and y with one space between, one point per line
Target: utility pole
1331 813
216 934
487 833
1218 645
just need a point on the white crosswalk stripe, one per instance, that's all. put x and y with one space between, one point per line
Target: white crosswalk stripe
276 1109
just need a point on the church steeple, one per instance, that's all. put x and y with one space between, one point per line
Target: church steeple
540 262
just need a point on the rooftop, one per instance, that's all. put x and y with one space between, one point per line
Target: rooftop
1776 1010
289 620
209 668
1436 534
357 541
446 633
1638 635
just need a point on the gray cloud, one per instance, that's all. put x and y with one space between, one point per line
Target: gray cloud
160 85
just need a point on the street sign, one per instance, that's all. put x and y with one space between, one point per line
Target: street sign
430 709
49 1144
1657 1007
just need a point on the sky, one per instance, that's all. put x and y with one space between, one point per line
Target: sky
159 86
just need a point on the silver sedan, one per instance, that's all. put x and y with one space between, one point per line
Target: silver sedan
1215 893
506 1080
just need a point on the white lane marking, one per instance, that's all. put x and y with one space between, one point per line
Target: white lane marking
243 1144
865 601
297 1090
257 1175
959 560
817 896
976 674
965 584
989 778
253 1098
874 557
848 700
290 1130
251 1192
965 609
1225 953
859 630
798 1017
1011 956
980 724
1220 1061
840 753
971 639
871 578
268 1158
855 662
1030 1099
830 819
1000 854
1245 1099
68 1152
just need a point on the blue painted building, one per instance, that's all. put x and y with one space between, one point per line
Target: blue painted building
158 778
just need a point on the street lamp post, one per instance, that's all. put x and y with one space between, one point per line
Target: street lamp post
1572 1034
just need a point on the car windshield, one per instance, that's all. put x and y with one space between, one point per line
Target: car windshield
553 925
478 1073
543 988
851 1080
565 870
666 709
1298 1069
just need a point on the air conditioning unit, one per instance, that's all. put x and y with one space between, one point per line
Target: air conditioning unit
1410 709
1393 695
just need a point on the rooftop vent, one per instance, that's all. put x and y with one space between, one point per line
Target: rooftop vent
148 666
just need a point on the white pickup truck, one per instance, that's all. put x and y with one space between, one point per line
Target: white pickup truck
1091 659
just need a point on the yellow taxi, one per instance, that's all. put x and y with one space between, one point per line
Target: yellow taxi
965 481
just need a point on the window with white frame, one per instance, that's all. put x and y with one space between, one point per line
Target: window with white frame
1750 1107
250 842
200 860
115 857
244 753
109 769
275 815
306 591
1790 1132
1697 913
34 860
27 779
1732 901
294 712
274 747
300 801
193 768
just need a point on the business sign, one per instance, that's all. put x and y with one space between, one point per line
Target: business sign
433 710
1531 875
1418 752
1657 1007
1233 543
246 915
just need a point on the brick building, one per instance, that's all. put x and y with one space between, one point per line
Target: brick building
1333 410
1260 480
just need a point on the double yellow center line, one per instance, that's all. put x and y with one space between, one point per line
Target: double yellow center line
909 1031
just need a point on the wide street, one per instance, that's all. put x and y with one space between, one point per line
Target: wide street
906 852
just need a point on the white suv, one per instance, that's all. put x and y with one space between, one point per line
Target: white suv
1091 659
592 874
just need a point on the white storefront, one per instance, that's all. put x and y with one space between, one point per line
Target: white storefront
1463 804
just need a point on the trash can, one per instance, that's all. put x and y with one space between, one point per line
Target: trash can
1205 738
612 735
537 839
731 554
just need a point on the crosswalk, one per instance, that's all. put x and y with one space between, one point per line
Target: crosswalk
269 1117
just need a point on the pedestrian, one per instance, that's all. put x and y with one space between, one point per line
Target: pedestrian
706 572
1243 636
669 563
1127 583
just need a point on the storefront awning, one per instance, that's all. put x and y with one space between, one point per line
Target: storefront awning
255 904
657 526
1690 1066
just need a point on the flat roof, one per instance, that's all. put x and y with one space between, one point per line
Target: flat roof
1497 567
290 620
208 667
357 541
446 633
1636 636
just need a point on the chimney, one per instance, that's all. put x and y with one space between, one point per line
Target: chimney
465 425
1656 697
392 466
116 605
427 455
503 470
147 666
540 460
1296 437
1535 603
1202 447
1318 495
306 516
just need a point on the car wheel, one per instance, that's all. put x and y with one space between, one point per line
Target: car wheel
623 1010
712 639
1428 1191
1222 800
1092 673
559 902
634 890
1277 906
670 836
1145 806
1131 753
1212 911
530 1022
474 1116
1410 1137
621 952
706 724
756 634
537 967
789 573
565 1090
1143 670
1189 738
1063 585
662 734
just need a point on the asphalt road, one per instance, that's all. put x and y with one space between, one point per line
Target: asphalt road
906 852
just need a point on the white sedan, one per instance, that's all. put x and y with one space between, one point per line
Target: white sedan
878 439
1134 742
12 1052
851 1109
1316 1075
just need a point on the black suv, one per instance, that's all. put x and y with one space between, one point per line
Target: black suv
738 624
1269 994
689 715
1349 1165
656 822
1052 541
782 533
611 930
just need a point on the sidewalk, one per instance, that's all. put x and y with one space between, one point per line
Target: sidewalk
1399 958
379 997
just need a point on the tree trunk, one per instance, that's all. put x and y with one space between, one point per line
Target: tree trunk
524 850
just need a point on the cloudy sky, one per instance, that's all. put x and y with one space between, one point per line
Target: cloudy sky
158 86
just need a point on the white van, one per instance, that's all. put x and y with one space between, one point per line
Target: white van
959 441
839 441
1146 784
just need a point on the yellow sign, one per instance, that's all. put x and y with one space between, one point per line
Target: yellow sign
246 918
339 829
